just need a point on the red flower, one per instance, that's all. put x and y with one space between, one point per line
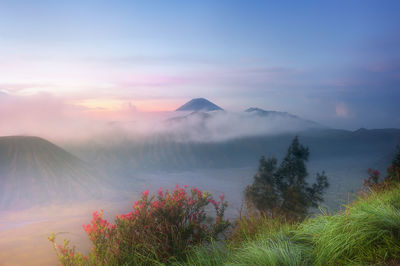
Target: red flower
375 172
222 197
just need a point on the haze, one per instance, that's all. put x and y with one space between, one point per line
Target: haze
89 92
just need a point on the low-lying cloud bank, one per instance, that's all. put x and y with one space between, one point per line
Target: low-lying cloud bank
58 120
222 126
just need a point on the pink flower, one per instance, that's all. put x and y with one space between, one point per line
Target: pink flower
145 193
222 197
213 202
160 193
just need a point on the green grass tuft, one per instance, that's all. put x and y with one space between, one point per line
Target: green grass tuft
366 233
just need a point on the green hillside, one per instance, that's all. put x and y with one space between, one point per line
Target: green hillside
367 232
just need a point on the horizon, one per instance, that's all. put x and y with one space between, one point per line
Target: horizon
79 63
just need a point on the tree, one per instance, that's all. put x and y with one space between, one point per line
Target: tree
284 190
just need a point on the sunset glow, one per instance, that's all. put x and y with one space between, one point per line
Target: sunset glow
114 55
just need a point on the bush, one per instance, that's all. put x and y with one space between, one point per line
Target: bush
159 229
375 183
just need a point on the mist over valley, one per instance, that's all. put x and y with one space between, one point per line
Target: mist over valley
202 146
199 133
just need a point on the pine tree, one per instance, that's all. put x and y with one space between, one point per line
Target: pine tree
284 190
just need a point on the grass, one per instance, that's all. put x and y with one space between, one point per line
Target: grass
367 232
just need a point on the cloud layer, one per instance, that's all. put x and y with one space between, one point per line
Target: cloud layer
56 119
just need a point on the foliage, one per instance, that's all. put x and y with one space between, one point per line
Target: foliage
207 255
67 255
284 190
159 229
253 223
376 183
172 228
366 233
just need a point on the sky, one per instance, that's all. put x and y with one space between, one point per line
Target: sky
334 62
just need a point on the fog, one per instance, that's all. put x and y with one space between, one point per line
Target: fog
68 122
25 232
114 156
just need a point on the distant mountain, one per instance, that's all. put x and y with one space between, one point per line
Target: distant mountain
224 125
262 112
35 171
275 114
199 104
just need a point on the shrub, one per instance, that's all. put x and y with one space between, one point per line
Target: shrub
376 183
160 228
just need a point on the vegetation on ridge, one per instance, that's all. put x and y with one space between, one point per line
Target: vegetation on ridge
367 232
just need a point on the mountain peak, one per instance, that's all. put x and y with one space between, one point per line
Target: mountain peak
199 104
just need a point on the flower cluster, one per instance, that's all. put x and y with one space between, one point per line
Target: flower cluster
393 176
159 228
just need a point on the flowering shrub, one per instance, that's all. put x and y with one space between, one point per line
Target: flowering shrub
373 179
159 228
393 176
67 255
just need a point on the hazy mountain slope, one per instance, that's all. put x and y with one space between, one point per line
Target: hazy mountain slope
283 115
162 153
35 171
197 118
344 155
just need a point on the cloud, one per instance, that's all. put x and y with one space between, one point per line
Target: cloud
43 115
58 119
213 126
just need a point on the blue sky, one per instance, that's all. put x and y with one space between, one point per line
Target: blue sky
336 62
